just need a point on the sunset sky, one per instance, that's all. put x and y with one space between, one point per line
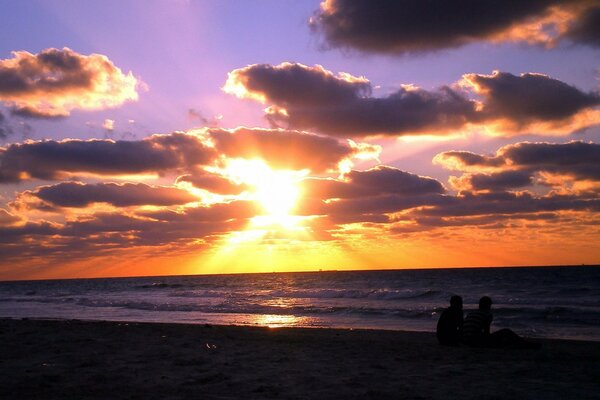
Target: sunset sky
191 137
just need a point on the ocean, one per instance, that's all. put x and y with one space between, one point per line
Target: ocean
542 302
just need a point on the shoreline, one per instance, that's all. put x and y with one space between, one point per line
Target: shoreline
75 359
277 326
311 271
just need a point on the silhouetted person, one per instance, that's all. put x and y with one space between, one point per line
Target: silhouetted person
476 330
449 326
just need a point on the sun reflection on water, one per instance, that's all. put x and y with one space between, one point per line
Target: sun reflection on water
280 321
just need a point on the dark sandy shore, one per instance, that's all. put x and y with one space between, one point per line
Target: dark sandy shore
43 359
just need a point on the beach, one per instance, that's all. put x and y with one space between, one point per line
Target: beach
74 359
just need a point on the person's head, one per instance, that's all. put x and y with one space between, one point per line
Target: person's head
485 303
456 302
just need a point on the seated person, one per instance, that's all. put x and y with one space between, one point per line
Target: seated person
449 326
476 330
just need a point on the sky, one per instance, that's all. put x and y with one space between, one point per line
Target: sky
199 137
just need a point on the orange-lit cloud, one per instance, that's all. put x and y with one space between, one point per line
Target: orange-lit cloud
179 152
212 182
533 103
285 149
81 195
570 167
93 235
54 82
51 159
524 185
7 218
577 158
410 26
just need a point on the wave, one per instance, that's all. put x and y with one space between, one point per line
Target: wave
372 294
159 285
551 314
198 294
228 307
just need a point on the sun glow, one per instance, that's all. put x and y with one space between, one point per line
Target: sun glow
276 191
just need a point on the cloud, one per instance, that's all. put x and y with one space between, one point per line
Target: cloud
7 218
285 149
508 203
14 237
366 196
373 182
414 26
195 115
577 159
533 101
500 181
109 124
585 29
186 153
212 182
313 98
214 213
567 169
94 235
53 159
54 82
5 128
291 84
80 195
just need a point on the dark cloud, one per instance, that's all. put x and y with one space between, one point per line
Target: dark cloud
297 85
20 234
367 195
500 181
52 159
529 97
75 194
313 98
409 26
508 203
284 149
33 113
182 152
465 160
218 212
11 126
381 180
586 29
214 183
5 128
94 235
437 222
578 159
195 115
54 82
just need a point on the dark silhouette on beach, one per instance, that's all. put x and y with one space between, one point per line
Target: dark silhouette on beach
476 330
449 327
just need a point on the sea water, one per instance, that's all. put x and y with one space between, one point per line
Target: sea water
550 302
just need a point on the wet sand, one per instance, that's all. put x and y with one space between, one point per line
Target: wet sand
47 359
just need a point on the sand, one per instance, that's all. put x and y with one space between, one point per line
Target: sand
49 359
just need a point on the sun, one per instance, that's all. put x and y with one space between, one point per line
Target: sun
276 191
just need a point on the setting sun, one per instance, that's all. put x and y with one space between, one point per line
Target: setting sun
276 191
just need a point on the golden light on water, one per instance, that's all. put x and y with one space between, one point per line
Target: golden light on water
280 321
